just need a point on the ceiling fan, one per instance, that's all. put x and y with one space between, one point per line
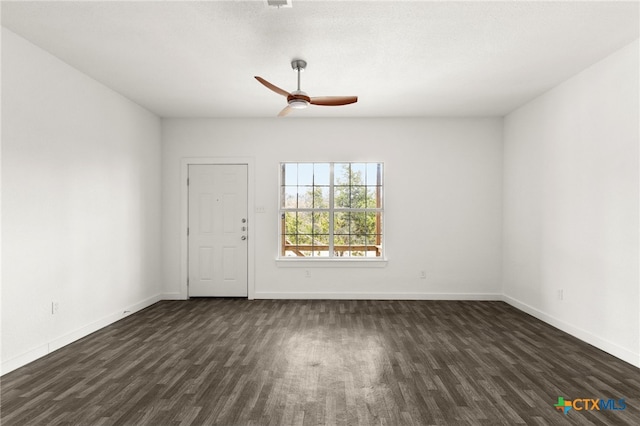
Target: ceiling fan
299 99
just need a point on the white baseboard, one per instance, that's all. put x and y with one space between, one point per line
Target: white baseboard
24 358
376 296
172 296
584 335
58 342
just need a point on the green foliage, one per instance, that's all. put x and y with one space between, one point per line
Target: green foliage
354 228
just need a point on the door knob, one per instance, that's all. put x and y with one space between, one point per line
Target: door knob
244 237
244 220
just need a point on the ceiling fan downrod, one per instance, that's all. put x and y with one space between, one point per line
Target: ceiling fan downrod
298 99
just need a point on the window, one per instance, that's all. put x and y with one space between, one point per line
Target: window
331 210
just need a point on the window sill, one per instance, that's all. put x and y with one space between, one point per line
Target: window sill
331 263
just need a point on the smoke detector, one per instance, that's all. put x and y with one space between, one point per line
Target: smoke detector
279 3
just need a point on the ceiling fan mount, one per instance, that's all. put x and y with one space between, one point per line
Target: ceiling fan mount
298 99
298 64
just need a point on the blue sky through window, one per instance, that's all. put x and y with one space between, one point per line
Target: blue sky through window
318 174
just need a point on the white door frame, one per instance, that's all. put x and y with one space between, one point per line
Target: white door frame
184 218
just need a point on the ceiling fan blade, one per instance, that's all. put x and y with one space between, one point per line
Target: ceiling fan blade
285 111
272 87
334 100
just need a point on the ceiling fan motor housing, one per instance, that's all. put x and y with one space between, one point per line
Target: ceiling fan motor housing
298 99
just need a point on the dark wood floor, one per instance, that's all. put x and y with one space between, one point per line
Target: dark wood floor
239 362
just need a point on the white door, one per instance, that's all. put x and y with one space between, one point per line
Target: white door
218 230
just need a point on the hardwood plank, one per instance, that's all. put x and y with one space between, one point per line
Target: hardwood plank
273 362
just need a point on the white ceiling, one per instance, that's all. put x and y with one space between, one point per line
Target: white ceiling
402 58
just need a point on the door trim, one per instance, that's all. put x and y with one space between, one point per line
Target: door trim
184 217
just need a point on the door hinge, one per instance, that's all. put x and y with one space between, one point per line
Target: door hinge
187 231
187 181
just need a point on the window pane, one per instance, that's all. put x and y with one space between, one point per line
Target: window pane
305 240
374 197
341 222
358 245
358 240
305 223
320 245
371 222
321 174
321 223
375 241
377 220
321 197
321 240
358 173
341 174
358 224
372 174
340 240
290 197
290 174
342 197
363 223
290 223
291 239
358 197
305 197
305 174
321 253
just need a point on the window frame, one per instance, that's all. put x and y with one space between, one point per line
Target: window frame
331 210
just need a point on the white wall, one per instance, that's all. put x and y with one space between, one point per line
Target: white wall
571 191
80 203
443 189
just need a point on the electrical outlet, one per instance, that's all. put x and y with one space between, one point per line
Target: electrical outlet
560 294
55 306
423 274
307 274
